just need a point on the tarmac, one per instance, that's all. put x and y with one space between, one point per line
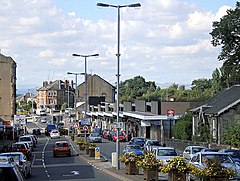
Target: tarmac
102 164
105 165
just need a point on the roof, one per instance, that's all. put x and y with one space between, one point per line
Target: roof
222 101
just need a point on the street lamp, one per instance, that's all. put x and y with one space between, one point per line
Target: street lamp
76 92
118 64
85 73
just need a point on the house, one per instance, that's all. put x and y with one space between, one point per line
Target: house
218 113
53 94
7 87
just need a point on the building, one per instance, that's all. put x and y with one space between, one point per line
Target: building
97 87
7 87
54 94
218 113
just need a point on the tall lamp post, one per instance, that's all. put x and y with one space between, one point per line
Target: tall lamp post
76 92
85 73
118 65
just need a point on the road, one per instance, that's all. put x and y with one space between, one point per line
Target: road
45 167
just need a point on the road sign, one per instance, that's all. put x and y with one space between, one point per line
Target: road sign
85 128
170 112
75 125
97 153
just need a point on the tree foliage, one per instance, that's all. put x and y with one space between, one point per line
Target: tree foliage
226 33
231 136
183 127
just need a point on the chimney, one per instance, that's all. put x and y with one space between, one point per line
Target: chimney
66 84
72 84
45 84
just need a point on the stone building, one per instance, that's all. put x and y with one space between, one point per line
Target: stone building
218 112
53 94
7 87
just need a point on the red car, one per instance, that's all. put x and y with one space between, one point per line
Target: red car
121 136
21 147
61 148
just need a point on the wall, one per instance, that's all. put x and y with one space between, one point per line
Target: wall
7 87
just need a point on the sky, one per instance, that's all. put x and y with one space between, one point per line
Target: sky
166 41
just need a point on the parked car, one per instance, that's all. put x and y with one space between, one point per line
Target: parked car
28 139
95 137
54 134
164 154
21 160
121 136
61 148
21 147
235 154
151 144
133 148
35 140
189 151
137 141
209 150
226 161
36 131
26 144
49 128
9 170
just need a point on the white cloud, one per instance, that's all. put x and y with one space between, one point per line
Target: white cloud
163 41
46 53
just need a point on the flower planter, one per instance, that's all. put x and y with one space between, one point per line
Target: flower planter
81 147
151 174
131 168
219 178
176 176
92 152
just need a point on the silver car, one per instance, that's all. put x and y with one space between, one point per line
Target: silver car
198 161
21 160
95 137
164 154
191 150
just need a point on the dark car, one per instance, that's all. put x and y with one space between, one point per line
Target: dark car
137 141
49 128
36 131
235 154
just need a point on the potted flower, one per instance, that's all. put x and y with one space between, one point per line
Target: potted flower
86 145
91 148
81 144
177 167
213 171
130 159
150 165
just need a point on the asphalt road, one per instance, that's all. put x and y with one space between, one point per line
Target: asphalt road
45 167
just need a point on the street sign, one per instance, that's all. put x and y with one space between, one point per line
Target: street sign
75 125
170 112
118 125
20 119
97 153
85 128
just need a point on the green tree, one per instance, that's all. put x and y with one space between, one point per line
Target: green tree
183 127
226 33
231 136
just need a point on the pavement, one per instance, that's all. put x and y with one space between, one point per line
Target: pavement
105 165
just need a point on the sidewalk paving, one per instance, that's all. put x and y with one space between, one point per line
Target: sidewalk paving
106 166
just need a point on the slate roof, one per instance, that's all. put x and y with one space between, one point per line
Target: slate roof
222 101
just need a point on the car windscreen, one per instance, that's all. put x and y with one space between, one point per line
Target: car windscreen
61 144
154 143
95 135
195 150
218 157
25 139
133 147
166 152
7 173
234 153
16 157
